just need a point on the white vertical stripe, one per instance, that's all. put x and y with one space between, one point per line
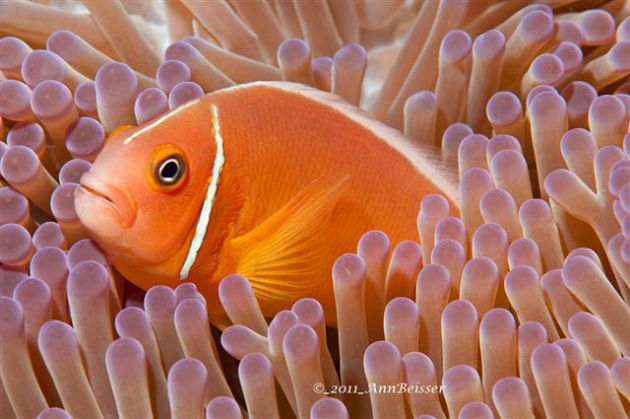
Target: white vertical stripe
206 209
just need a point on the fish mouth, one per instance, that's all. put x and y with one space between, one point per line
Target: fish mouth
109 197
96 194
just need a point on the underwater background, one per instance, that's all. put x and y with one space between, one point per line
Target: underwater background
512 301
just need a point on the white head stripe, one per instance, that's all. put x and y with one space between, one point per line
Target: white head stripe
158 121
206 209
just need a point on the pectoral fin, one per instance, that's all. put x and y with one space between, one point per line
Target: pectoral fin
280 256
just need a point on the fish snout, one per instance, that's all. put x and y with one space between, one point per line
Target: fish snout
106 197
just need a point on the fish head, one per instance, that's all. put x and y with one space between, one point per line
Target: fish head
141 197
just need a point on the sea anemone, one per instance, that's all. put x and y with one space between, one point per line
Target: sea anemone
515 304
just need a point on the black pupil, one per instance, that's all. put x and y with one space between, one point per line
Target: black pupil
169 170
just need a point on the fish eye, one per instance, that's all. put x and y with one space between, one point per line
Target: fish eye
170 170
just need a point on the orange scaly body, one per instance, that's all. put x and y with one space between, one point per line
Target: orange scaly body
302 176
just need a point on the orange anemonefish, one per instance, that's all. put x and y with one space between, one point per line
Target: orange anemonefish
273 181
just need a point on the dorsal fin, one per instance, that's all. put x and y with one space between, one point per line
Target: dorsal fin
428 160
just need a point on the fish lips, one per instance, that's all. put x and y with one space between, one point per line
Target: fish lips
94 197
